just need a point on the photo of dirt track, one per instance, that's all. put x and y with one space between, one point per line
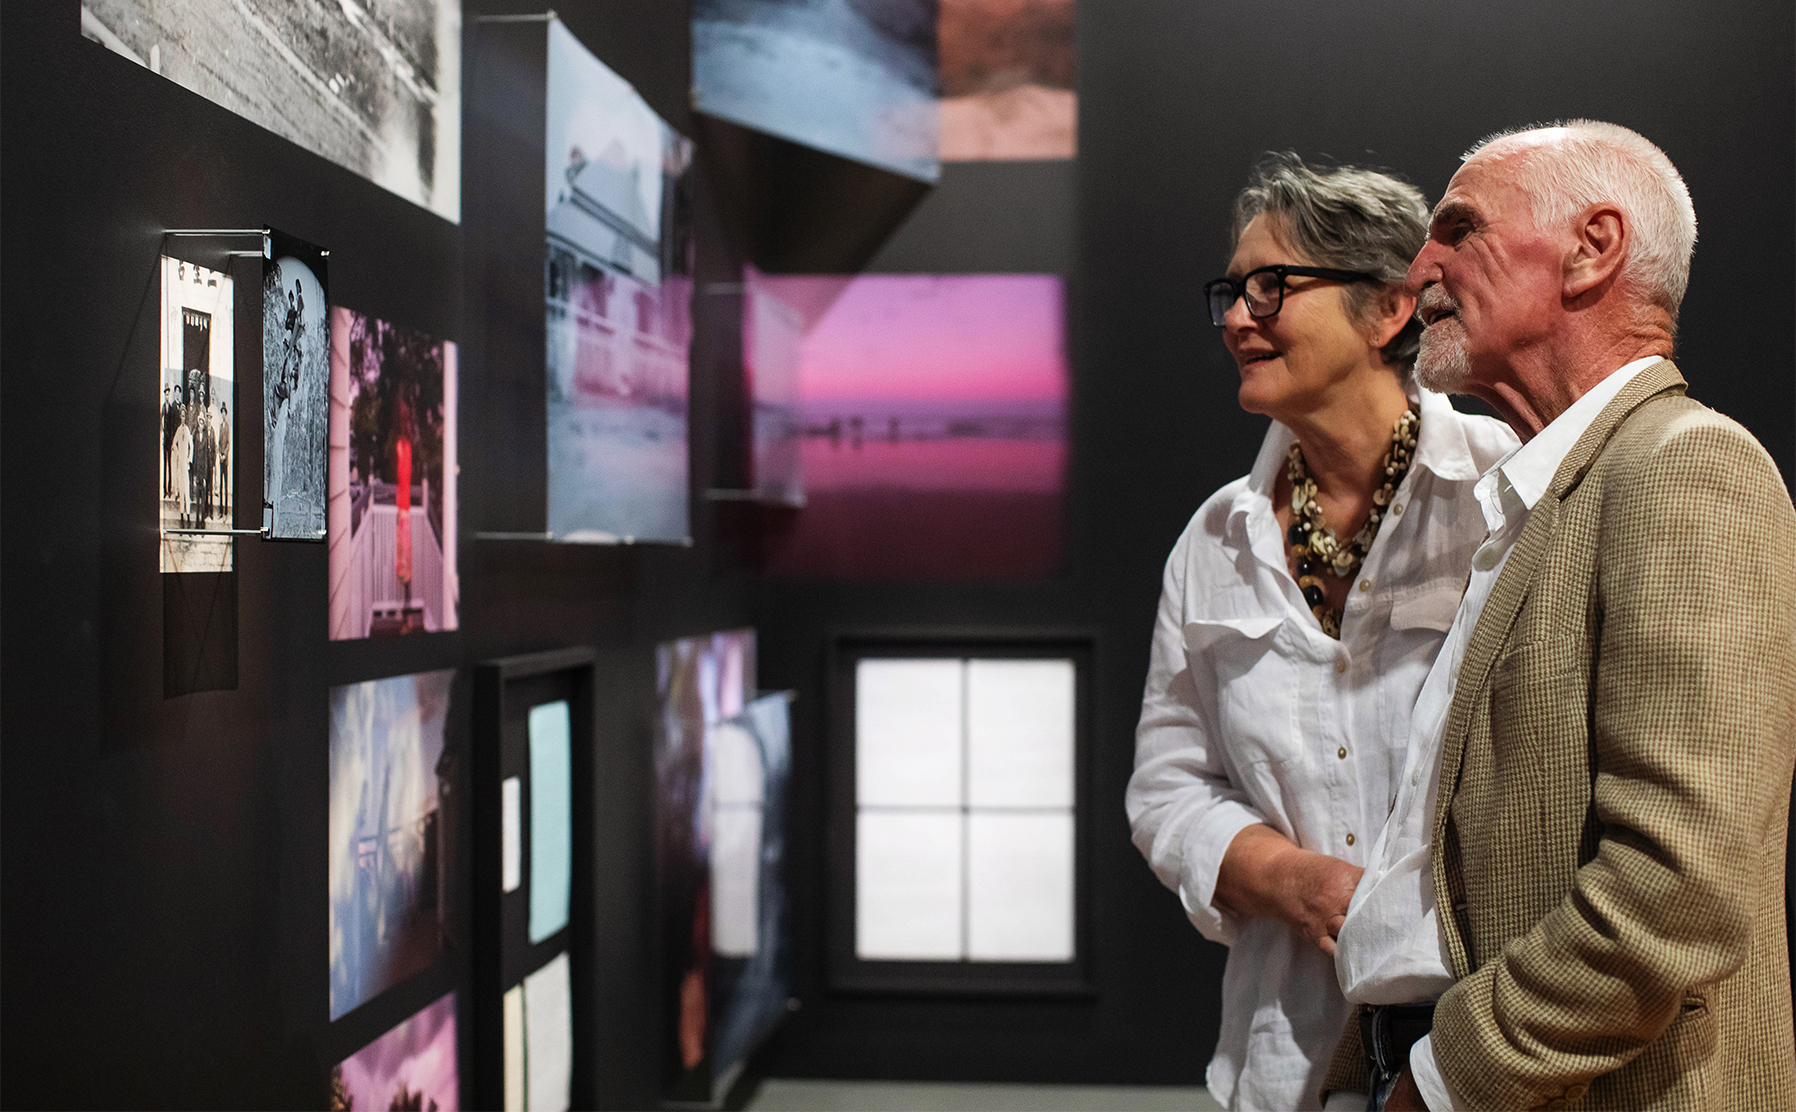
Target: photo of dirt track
372 85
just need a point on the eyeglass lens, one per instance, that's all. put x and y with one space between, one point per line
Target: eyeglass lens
1264 291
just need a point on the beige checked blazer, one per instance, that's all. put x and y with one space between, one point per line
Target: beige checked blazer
1615 781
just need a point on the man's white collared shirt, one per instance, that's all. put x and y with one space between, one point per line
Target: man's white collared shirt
1390 950
1253 715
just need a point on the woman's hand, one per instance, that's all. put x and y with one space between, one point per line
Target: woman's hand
1263 875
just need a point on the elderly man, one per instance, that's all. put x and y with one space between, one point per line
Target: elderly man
1584 863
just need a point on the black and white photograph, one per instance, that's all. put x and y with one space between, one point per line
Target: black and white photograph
856 78
296 372
196 479
372 85
617 219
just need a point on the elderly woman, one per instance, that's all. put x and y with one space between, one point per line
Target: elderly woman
1301 611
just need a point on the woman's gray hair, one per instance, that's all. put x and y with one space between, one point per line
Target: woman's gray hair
1347 218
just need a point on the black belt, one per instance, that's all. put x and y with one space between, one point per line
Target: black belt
1388 1031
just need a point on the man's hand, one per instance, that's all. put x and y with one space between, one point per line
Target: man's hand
1405 1096
1263 875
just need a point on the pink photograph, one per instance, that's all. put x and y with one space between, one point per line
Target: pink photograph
410 1067
932 411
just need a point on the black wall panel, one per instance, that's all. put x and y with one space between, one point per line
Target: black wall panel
164 861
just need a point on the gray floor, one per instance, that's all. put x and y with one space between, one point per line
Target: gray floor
781 1095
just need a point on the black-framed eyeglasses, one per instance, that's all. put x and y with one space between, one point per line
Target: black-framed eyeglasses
1264 288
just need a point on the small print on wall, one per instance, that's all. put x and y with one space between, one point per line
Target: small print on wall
618 293
196 476
392 509
1009 85
413 1066
855 78
700 682
933 411
386 833
296 347
374 86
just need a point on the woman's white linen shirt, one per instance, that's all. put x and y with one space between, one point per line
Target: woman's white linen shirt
1253 715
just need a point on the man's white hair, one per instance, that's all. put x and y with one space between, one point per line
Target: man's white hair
1595 162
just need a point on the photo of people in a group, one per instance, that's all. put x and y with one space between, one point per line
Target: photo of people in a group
618 311
413 1067
856 78
386 884
1009 83
934 416
392 512
296 369
195 477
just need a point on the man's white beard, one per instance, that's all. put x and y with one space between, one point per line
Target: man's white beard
1441 364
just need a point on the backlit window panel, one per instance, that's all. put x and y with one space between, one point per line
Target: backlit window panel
964 827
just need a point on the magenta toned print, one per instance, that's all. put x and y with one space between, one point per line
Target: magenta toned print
932 411
412 1066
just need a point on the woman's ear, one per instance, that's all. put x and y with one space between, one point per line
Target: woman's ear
1391 313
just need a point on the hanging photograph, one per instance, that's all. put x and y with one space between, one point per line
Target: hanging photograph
392 509
700 681
386 834
772 333
296 368
856 78
618 291
374 86
934 420
413 1066
196 477
749 756
1008 80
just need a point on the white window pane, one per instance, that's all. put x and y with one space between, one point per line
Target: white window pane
907 886
735 880
514 1048
551 818
907 725
736 775
1020 733
548 1037
511 834
1020 887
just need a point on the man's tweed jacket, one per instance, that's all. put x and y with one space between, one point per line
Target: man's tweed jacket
1615 781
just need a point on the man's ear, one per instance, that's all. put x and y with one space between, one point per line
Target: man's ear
1393 310
1603 236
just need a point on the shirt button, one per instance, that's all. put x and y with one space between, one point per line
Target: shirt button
1486 559
1341 752
1365 584
1349 839
1397 510
1340 664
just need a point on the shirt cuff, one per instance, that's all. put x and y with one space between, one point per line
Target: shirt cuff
1430 1081
1205 847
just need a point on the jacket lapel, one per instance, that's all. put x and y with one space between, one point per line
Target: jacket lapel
1498 618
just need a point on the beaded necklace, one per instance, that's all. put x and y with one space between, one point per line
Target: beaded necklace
1315 545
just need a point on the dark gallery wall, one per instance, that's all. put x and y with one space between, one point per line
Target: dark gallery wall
163 879
1176 101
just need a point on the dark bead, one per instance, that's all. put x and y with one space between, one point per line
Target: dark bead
1314 596
1297 534
1305 567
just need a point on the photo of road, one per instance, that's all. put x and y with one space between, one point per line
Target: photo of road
372 85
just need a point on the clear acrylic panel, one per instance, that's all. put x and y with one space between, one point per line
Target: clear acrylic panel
735 879
907 886
736 773
907 733
1020 733
1020 887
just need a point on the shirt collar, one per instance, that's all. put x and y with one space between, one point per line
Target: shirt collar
1441 447
1529 470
